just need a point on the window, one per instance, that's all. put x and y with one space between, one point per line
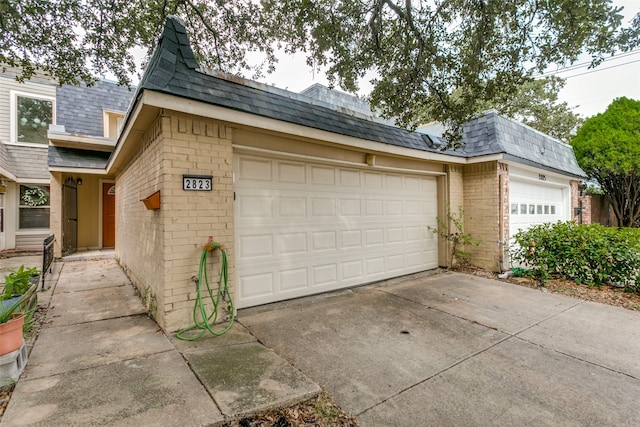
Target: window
34 207
514 208
532 209
546 209
112 123
553 209
31 117
539 210
523 209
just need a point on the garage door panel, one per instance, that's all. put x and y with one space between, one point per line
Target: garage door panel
294 279
253 286
291 243
253 169
329 228
534 203
323 175
291 173
349 178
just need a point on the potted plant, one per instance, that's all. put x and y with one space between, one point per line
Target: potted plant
17 302
17 283
11 325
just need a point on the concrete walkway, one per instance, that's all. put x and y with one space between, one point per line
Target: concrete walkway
457 350
99 360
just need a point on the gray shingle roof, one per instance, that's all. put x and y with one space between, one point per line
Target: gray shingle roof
493 134
4 158
27 162
76 158
80 108
173 70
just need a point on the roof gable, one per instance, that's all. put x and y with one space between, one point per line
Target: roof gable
493 133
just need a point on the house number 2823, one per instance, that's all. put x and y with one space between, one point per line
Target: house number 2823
197 183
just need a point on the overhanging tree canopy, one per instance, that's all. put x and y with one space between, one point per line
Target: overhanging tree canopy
421 51
607 148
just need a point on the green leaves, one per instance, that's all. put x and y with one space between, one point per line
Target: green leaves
607 148
441 60
17 282
589 254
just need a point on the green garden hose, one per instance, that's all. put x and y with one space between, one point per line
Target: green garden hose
201 320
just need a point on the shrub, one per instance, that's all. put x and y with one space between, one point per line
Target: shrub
452 231
589 254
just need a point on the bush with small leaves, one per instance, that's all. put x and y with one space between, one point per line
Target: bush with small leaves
589 254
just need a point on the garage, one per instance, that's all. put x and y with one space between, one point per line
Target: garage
309 227
535 202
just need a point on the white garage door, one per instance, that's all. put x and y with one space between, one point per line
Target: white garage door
535 203
303 228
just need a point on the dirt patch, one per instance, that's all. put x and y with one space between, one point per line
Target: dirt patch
604 294
321 411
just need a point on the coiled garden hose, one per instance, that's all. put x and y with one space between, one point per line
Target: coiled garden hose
201 319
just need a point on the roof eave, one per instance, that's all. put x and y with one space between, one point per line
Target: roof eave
514 159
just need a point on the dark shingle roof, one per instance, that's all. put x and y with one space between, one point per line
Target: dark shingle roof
76 158
27 162
4 158
493 134
173 70
80 108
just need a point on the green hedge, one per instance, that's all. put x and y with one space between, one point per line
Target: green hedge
589 254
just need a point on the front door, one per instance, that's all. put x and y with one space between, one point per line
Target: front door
108 214
69 217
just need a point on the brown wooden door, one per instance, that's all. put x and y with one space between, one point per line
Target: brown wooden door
108 214
69 216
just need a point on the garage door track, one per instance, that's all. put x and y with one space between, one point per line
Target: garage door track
453 349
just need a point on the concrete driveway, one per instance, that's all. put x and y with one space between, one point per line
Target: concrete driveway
452 349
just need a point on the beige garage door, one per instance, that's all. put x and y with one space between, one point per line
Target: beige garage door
304 228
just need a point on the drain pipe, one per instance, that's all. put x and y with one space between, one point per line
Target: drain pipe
501 223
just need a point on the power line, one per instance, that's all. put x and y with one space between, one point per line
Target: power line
582 64
602 69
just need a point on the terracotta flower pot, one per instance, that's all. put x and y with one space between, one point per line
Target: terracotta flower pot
11 334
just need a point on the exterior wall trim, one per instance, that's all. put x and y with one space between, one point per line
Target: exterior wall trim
247 149
160 100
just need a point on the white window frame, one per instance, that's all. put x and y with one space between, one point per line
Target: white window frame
13 115
19 206
106 116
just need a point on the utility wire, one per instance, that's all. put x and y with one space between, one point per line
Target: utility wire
602 69
582 64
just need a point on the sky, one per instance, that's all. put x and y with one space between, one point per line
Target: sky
589 91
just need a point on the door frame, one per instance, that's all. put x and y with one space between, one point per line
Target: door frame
101 207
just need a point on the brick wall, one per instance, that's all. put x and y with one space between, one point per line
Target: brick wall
454 192
166 251
596 210
481 193
140 232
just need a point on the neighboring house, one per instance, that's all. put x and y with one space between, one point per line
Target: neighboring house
31 113
305 196
26 111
